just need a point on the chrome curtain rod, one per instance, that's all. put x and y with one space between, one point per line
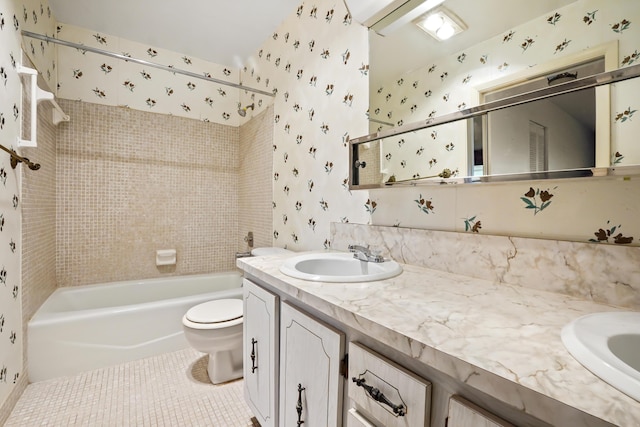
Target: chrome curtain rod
141 62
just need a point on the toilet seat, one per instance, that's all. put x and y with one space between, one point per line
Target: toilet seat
216 312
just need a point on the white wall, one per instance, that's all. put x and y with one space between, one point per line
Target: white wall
570 144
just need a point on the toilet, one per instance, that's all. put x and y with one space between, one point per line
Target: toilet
215 327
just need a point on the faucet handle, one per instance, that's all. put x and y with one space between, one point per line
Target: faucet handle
354 248
376 258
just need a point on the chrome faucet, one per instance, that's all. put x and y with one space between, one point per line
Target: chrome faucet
364 254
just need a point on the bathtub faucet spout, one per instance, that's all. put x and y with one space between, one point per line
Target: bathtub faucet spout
243 254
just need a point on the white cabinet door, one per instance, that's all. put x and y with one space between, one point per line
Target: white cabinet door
311 387
260 352
463 413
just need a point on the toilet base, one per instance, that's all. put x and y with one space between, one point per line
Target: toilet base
225 366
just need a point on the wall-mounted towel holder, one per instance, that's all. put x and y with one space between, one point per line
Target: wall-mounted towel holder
38 95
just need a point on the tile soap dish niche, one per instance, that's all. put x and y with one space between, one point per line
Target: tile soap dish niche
166 257
38 95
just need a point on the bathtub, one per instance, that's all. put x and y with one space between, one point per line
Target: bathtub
88 327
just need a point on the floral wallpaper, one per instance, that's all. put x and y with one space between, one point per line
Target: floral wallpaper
37 17
100 79
448 84
579 210
317 64
14 17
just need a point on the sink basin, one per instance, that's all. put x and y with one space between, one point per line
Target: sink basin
338 267
608 344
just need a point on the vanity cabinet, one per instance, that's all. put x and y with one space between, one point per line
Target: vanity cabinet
306 386
463 413
260 352
295 371
311 385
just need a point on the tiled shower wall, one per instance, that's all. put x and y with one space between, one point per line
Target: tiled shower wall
39 220
255 174
130 183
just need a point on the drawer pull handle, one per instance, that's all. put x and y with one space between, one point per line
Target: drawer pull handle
377 395
299 405
253 355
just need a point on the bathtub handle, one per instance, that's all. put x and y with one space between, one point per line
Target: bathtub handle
253 355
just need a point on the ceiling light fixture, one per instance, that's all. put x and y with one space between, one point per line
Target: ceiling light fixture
409 11
441 24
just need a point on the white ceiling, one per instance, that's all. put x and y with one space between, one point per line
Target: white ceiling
224 32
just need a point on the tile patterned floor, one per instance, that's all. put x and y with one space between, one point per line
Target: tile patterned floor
167 390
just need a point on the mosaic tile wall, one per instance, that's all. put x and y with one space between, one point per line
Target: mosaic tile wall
255 172
39 220
132 182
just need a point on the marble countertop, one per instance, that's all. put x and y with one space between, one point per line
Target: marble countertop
501 339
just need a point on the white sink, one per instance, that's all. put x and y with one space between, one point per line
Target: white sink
338 267
608 344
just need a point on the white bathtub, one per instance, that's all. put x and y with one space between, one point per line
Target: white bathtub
87 327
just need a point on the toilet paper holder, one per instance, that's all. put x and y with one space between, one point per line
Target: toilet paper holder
166 257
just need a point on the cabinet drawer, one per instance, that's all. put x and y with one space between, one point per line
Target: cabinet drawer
356 419
463 413
403 398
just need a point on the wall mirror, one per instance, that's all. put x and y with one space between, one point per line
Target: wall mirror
478 107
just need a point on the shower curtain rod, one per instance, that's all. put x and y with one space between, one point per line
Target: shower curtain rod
140 61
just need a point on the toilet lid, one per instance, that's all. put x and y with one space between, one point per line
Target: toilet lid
217 311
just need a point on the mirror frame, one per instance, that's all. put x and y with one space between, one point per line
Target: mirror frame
595 80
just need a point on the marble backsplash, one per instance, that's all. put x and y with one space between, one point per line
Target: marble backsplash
599 272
